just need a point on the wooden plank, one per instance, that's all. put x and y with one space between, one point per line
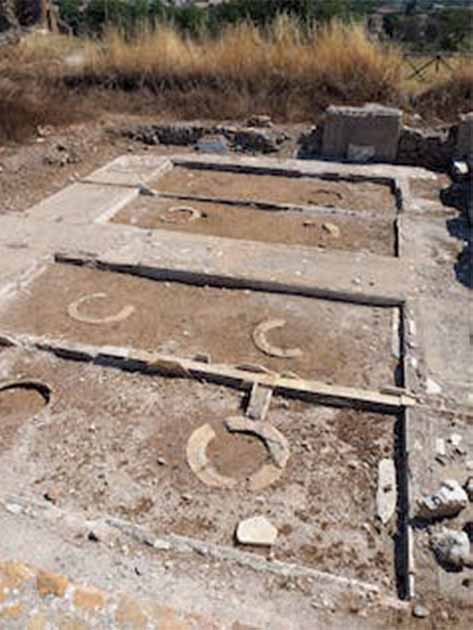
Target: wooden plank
131 359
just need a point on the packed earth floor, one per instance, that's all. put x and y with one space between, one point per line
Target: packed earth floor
228 387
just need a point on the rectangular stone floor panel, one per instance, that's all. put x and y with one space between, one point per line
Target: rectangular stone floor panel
313 191
333 342
323 230
116 443
446 336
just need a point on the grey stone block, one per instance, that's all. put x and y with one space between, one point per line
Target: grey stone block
464 146
369 126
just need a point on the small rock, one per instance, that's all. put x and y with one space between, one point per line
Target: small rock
451 547
440 449
449 500
432 387
256 531
161 545
259 120
332 229
52 495
161 461
420 612
386 496
145 190
14 508
455 439
469 488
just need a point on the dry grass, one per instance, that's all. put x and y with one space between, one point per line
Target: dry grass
451 96
286 73
281 71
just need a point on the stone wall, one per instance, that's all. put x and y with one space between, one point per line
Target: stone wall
433 149
335 138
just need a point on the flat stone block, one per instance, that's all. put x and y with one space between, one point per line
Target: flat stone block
374 127
464 146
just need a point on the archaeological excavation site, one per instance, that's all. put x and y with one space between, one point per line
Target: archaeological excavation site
236 391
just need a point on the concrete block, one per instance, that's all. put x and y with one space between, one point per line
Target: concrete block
464 146
372 126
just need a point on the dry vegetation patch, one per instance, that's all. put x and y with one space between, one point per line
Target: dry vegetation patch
450 96
281 69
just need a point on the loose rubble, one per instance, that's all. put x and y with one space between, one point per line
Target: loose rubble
452 548
448 501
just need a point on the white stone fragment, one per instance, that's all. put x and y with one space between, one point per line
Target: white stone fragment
449 500
256 531
455 439
386 496
440 449
432 387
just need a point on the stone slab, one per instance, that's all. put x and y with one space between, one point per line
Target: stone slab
130 170
371 126
83 203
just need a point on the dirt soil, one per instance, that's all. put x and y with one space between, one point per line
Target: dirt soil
376 198
375 236
17 406
340 343
116 443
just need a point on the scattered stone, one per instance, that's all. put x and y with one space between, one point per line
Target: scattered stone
440 449
469 488
469 464
451 548
421 612
253 140
432 387
161 461
260 399
213 144
455 439
256 531
259 120
386 497
161 545
332 229
449 500
13 508
52 495
145 190
61 155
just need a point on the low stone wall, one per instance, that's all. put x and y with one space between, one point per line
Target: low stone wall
434 149
243 139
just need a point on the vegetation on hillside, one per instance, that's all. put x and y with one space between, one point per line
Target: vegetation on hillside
419 25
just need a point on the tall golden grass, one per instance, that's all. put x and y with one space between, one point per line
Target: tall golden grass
451 95
282 70
337 56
